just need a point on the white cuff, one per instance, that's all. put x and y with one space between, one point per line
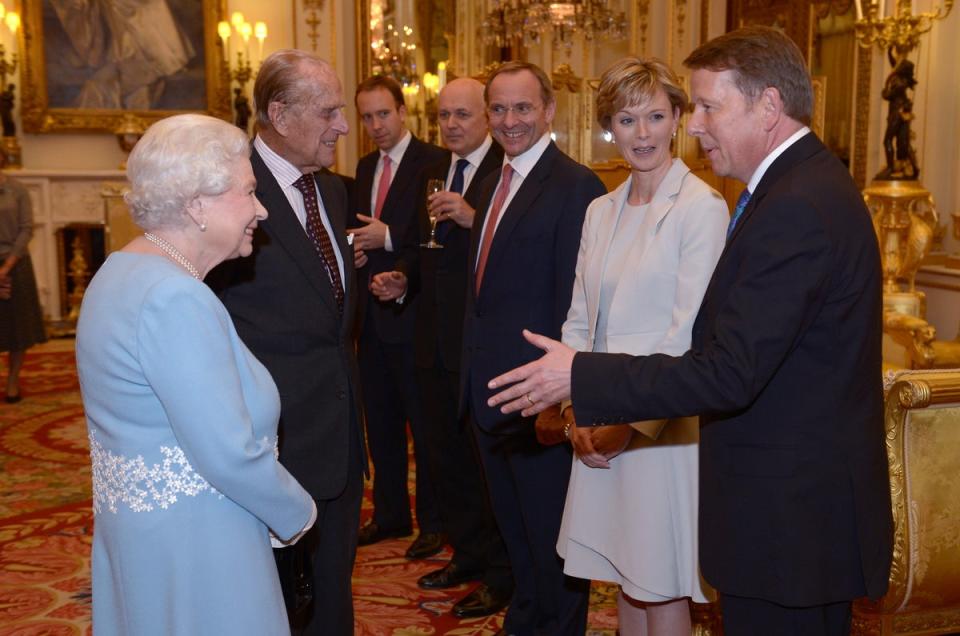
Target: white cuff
275 542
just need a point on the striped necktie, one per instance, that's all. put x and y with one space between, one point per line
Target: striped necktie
742 202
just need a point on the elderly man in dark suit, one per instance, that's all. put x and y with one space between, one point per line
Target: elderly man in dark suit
523 253
478 550
387 194
293 303
784 370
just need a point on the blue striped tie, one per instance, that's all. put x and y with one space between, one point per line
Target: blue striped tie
742 202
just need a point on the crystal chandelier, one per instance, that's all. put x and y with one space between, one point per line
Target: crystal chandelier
527 21
394 54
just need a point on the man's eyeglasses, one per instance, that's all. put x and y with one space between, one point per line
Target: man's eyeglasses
523 109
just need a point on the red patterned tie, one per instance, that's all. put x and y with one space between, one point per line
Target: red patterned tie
318 234
382 186
488 231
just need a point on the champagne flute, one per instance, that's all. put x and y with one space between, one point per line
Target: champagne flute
433 186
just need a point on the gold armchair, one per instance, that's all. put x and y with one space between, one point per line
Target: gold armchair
922 419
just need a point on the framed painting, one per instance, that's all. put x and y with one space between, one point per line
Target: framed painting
90 63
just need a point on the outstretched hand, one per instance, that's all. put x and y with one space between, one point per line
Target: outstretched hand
371 236
537 384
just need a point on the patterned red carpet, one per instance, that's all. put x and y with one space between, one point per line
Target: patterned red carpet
46 525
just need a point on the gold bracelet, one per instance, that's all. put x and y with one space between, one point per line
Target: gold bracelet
566 430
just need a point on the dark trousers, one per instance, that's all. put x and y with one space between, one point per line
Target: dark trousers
332 544
460 488
757 617
391 399
528 487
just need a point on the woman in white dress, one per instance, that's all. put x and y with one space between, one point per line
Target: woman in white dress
647 252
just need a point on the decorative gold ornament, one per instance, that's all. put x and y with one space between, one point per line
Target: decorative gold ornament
900 31
564 78
313 21
905 219
128 133
79 274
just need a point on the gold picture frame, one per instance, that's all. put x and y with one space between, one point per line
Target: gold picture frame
56 101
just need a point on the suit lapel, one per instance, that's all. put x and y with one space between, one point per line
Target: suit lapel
660 206
364 185
803 148
598 263
283 226
520 206
403 178
491 161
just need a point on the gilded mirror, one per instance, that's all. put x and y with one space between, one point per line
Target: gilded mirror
410 40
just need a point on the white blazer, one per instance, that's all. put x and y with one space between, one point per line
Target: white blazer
667 270
636 522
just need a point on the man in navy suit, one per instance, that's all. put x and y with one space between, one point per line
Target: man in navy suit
784 369
523 253
478 550
293 303
387 194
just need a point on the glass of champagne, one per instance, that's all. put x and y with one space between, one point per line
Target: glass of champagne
433 186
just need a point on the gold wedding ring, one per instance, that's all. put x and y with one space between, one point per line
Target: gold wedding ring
530 400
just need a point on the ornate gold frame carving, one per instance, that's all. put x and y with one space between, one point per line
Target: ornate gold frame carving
38 117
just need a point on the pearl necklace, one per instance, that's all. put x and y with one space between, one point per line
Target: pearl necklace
173 253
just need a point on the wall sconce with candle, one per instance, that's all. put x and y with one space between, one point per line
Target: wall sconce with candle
10 145
235 38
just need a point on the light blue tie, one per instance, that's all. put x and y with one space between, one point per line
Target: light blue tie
742 202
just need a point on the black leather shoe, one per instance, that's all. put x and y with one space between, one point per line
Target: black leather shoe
372 533
426 545
483 601
449 575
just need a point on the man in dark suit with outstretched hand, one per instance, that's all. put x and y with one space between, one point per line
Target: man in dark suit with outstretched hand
784 368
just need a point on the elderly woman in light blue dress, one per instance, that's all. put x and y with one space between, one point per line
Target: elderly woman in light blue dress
182 419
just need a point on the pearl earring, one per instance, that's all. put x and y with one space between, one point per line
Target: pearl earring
203 226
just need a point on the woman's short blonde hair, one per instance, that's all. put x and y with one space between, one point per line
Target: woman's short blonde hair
634 81
178 159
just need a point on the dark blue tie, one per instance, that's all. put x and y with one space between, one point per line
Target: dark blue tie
742 202
456 185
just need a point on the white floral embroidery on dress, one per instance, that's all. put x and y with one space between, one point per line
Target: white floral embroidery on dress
129 481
